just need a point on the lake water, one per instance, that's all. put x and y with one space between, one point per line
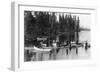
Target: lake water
84 36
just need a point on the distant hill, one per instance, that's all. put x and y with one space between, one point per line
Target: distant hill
85 29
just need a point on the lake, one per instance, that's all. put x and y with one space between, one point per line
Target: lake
84 36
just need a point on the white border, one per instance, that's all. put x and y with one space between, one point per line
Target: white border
18 40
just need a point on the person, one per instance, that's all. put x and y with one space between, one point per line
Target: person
42 44
86 46
47 42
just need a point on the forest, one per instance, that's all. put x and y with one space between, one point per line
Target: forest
50 25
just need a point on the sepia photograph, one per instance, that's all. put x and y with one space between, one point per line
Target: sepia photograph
56 36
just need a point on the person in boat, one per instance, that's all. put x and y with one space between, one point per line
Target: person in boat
86 45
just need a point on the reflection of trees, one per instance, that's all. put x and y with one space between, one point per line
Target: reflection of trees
46 24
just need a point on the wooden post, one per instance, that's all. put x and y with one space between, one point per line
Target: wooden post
77 30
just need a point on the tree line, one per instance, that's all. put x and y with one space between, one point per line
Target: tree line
45 24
